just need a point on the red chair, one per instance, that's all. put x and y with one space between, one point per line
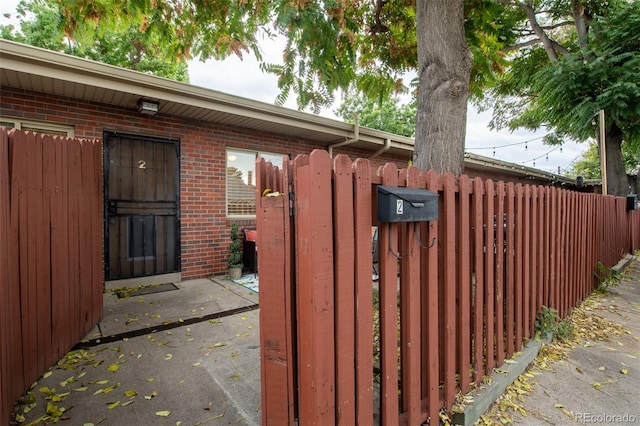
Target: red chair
250 250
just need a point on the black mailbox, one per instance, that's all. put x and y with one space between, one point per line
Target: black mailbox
632 202
406 204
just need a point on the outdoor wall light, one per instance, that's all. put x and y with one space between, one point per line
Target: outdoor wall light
147 107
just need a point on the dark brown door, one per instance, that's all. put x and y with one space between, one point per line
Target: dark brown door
142 232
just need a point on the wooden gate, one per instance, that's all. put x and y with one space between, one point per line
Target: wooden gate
142 235
51 278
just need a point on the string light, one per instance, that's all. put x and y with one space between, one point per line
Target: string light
506 145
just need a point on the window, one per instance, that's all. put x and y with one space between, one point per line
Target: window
241 180
40 127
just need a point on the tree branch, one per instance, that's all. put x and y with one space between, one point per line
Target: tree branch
524 44
558 25
378 26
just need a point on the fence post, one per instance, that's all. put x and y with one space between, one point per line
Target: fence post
277 357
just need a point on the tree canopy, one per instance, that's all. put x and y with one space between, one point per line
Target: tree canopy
389 115
124 45
579 58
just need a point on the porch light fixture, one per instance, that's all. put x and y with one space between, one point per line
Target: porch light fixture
147 107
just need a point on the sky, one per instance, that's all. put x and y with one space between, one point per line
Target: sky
243 77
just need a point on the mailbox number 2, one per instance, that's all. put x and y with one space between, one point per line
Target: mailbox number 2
399 206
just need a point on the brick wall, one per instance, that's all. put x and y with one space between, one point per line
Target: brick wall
204 226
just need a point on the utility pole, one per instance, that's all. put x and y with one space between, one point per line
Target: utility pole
603 153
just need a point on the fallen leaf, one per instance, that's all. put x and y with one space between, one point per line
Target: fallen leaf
597 385
163 413
150 379
624 371
579 370
47 374
127 403
60 397
131 393
195 364
168 357
601 368
81 389
113 367
113 405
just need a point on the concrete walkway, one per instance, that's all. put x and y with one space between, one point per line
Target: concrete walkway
191 357
184 357
599 382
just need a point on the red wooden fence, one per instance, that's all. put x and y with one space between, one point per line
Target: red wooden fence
447 314
51 276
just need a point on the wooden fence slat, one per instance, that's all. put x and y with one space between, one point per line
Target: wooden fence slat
464 285
343 218
17 223
477 205
519 262
97 225
431 315
541 267
509 295
449 290
410 312
84 228
28 257
489 270
388 282
364 293
6 283
314 268
526 259
45 293
500 272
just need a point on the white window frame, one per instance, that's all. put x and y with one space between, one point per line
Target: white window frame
228 151
39 126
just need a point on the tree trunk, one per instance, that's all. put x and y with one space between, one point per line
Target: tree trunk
444 70
617 181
